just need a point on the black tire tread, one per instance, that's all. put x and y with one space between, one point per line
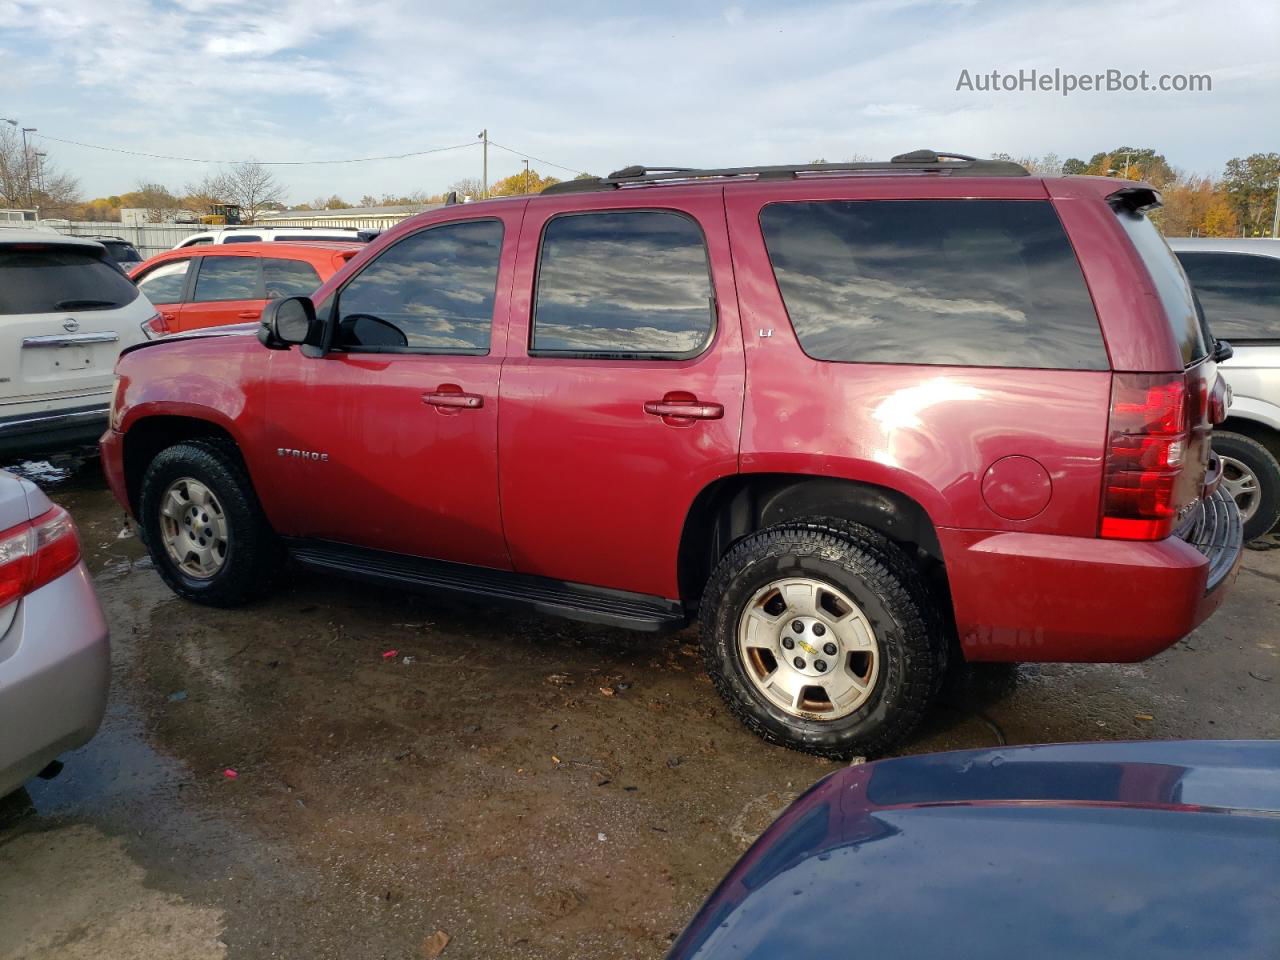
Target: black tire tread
1268 472
884 568
258 557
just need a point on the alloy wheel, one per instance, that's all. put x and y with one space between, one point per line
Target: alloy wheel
808 648
193 528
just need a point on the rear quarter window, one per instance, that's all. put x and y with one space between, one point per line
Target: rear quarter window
963 282
52 280
1240 293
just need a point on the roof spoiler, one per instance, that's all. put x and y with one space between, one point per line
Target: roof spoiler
1134 199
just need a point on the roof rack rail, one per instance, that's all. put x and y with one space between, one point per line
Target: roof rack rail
917 161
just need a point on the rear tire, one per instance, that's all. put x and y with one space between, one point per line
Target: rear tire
205 529
1252 477
788 595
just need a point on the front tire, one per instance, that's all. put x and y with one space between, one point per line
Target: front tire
817 637
205 529
1251 476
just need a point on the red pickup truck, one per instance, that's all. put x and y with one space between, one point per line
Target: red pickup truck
860 420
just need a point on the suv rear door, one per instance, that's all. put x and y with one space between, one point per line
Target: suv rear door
622 390
227 289
65 312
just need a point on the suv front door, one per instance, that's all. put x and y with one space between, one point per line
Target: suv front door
389 440
622 390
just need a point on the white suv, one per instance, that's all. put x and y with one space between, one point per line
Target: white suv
66 312
1238 283
255 234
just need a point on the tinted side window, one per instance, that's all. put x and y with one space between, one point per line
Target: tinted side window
1240 293
433 291
165 283
241 238
227 278
1171 285
51 280
632 283
990 283
288 278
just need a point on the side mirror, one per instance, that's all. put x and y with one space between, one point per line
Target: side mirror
1222 350
288 322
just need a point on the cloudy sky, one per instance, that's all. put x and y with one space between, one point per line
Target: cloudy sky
594 86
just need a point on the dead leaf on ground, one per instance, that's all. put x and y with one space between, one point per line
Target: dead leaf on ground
607 691
434 945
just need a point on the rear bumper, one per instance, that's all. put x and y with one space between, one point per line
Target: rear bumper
50 430
54 674
1026 597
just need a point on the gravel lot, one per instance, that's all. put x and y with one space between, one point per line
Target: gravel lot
528 786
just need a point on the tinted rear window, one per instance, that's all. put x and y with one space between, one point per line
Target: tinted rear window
313 238
633 284
53 280
1171 285
122 252
1240 293
967 282
288 278
227 278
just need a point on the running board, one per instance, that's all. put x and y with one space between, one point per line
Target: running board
573 601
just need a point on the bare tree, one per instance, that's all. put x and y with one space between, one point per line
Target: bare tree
156 199
251 186
32 178
467 187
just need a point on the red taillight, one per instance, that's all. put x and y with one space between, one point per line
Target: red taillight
155 326
1147 439
36 552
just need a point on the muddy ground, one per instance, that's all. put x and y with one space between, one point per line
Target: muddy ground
530 787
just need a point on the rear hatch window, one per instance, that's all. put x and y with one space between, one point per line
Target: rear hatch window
1180 307
48 279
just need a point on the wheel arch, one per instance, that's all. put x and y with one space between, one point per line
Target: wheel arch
148 435
733 507
1264 434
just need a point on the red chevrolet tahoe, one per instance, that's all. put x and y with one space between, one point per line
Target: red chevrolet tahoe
858 419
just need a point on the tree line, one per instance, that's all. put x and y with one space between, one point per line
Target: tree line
1241 201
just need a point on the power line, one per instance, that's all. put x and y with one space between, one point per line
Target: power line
521 153
265 163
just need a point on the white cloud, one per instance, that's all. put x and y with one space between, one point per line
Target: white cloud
752 82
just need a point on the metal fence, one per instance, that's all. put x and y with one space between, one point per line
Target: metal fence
150 239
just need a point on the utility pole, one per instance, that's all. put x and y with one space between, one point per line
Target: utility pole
40 155
484 136
1275 217
526 175
26 160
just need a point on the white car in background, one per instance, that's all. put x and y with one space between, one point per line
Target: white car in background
66 312
1238 283
256 234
